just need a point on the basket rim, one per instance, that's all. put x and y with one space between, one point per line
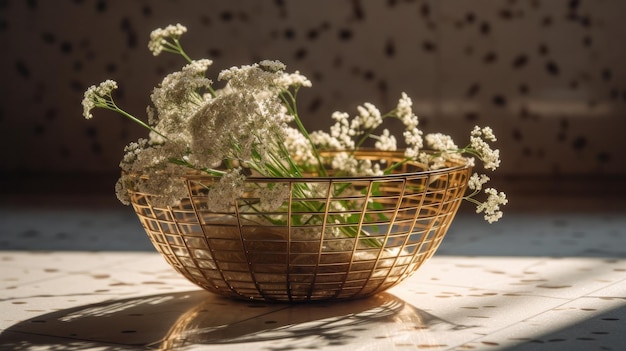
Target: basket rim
363 152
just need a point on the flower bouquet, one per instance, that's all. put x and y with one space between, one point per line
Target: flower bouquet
242 200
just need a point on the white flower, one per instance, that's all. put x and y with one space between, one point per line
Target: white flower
369 116
477 181
490 157
351 166
274 66
296 79
159 37
385 142
178 94
273 195
299 147
491 206
414 142
98 96
223 194
404 112
438 141
486 133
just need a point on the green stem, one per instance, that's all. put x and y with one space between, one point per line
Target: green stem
110 105
292 108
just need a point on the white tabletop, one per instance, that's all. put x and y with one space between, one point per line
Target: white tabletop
76 278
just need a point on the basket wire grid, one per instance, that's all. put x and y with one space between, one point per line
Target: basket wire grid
241 253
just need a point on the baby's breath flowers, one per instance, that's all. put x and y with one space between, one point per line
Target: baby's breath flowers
251 125
166 39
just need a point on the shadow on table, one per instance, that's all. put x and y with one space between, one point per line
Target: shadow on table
179 320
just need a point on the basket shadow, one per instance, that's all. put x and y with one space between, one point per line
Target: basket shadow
179 320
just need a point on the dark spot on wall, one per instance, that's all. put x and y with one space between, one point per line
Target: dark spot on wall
300 54
48 37
490 57
552 68
547 21
65 152
226 16
606 74
499 100
101 6
76 86
66 47
205 21
345 34
585 21
472 90
96 148
520 61
587 41
131 36
338 62
368 75
289 34
39 129
282 10
471 116
603 157
517 134
91 132
543 49
357 10
146 11
318 76
110 67
22 68
573 5
470 17
485 28
51 114
390 48
579 143
32 4
383 86
77 66
312 34
523 89
506 14
425 10
524 113
315 104
574 84
429 46
214 53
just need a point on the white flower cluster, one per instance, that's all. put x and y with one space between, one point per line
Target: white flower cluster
97 96
244 128
491 206
478 142
159 37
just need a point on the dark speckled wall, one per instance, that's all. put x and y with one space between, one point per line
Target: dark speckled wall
548 75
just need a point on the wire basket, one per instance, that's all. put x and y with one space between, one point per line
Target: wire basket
350 237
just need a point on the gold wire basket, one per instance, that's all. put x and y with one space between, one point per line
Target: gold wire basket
352 243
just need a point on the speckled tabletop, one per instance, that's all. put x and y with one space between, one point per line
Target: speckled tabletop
85 277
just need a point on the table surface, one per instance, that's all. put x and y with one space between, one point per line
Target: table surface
86 278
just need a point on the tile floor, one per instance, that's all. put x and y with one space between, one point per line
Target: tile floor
82 276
